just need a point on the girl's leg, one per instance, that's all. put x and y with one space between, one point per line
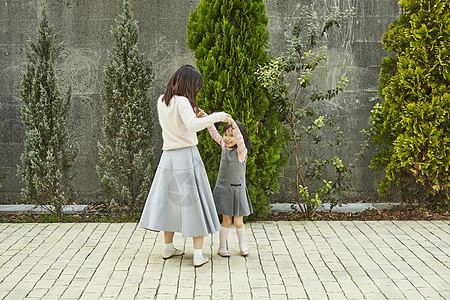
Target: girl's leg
238 222
226 221
240 231
199 259
223 234
169 249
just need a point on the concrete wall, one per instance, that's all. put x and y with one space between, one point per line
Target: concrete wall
84 28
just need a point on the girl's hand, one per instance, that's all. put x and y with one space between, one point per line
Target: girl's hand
229 119
201 113
233 124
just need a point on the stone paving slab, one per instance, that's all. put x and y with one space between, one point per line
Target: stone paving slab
287 260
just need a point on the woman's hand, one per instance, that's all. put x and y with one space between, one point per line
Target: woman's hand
224 117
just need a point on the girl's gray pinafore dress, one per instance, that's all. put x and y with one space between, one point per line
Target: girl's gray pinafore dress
230 193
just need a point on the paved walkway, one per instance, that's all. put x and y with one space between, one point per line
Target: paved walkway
288 260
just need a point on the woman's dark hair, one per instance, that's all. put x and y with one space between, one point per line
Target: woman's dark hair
243 131
186 81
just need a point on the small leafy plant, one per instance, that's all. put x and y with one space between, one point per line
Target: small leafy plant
297 105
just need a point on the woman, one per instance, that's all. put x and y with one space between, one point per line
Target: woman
180 198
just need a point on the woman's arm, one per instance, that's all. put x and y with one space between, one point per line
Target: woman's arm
190 119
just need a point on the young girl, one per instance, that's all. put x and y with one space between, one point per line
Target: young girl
230 193
180 198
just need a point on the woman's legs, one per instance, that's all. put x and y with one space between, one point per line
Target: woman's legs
169 249
168 237
199 259
198 242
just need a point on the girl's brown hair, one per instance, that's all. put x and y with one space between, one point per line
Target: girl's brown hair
186 81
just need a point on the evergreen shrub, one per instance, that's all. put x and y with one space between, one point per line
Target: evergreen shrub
412 124
126 154
230 39
48 154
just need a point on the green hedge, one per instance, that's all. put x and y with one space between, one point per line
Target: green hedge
229 40
412 125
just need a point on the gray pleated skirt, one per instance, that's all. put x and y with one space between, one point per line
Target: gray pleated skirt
232 200
180 198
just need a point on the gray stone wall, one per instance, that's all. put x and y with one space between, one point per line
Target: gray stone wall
84 28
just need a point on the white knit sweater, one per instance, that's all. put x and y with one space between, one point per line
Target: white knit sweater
180 124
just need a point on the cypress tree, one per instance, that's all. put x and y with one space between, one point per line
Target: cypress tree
229 39
125 170
412 125
46 159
